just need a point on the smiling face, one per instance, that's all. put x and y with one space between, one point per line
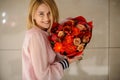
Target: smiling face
43 17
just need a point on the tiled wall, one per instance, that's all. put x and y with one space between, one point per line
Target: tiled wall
101 59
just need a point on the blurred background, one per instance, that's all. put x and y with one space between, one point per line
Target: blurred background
101 56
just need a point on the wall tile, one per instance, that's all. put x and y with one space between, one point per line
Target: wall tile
114 23
12 41
10 65
114 64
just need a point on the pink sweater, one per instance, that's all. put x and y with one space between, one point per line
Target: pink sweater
38 58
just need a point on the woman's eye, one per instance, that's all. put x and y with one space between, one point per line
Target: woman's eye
41 14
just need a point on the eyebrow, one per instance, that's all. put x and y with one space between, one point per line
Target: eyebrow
43 12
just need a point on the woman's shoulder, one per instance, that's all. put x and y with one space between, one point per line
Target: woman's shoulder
33 31
32 34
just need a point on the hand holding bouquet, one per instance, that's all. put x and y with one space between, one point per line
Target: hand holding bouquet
71 37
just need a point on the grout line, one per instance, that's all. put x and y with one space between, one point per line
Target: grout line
113 47
109 39
97 48
10 49
102 47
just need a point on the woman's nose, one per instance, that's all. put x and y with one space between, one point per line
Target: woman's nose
46 19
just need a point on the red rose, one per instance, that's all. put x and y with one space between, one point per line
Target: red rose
54 37
58 47
80 19
75 31
90 25
86 37
67 29
69 49
68 39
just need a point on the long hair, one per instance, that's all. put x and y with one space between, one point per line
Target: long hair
34 4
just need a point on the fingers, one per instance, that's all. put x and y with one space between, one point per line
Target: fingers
81 58
75 59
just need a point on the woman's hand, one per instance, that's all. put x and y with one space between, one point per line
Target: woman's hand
76 58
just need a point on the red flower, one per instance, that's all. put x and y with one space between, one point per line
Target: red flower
54 27
75 31
68 39
67 29
86 37
54 37
58 47
90 25
69 49
70 22
81 26
60 27
80 19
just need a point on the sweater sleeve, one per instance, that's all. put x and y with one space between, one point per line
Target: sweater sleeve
39 58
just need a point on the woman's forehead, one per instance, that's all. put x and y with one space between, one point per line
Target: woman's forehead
43 8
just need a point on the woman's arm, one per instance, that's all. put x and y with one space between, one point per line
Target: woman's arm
42 68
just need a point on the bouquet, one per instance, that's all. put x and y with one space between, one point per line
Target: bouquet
71 37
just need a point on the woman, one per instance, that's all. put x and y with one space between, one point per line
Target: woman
39 61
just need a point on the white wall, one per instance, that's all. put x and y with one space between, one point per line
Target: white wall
101 59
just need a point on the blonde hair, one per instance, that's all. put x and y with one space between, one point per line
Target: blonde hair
34 4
